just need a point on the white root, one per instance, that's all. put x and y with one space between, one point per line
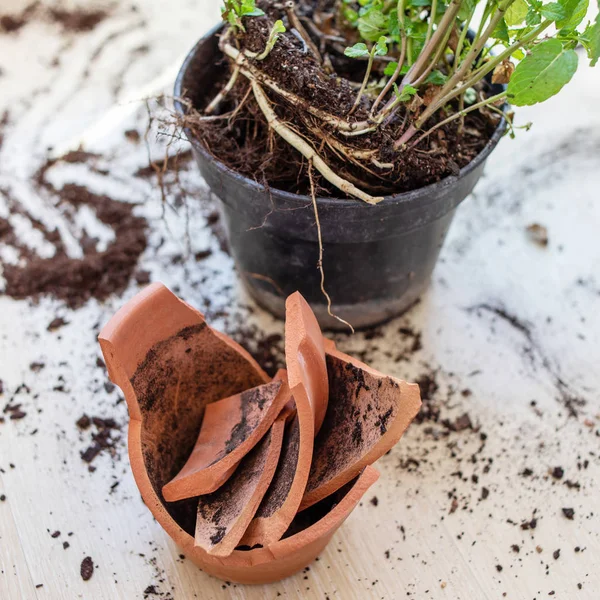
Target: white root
306 149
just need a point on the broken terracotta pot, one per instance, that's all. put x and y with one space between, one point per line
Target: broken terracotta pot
305 355
171 365
230 429
367 415
224 515
307 376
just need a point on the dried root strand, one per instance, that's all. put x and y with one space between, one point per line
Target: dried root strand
313 194
306 149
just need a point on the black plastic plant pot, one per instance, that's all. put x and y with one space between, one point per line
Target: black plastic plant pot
378 260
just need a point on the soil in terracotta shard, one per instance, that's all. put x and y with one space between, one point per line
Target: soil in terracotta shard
360 407
240 142
305 519
200 369
284 476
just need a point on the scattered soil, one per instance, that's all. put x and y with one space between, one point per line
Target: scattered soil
87 568
99 274
538 234
78 20
105 437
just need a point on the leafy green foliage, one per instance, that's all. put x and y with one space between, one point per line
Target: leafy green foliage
359 50
406 94
542 74
575 11
372 25
233 11
543 62
277 29
516 13
436 78
381 47
590 40
553 11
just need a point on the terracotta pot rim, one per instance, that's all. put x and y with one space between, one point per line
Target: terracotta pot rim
413 196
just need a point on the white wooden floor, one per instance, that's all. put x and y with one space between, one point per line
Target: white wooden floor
431 534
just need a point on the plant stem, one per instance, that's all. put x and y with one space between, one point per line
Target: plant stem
484 69
442 47
461 41
446 92
460 115
431 20
306 149
430 48
480 73
393 78
461 108
365 82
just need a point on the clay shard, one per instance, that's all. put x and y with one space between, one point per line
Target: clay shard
230 429
367 415
224 515
305 355
282 500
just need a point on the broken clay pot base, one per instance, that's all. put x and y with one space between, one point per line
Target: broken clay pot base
172 366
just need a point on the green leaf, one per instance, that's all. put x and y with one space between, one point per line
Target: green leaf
394 25
501 32
248 9
470 96
533 17
350 15
590 39
575 11
406 94
436 78
519 54
466 8
516 13
278 27
373 25
542 74
391 67
553 11
357 51
381 48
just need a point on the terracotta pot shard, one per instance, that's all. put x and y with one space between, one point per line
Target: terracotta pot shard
230 429
224 515
367 415
282 500
305 355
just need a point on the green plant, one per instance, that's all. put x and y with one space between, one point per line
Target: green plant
233 12
428 63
